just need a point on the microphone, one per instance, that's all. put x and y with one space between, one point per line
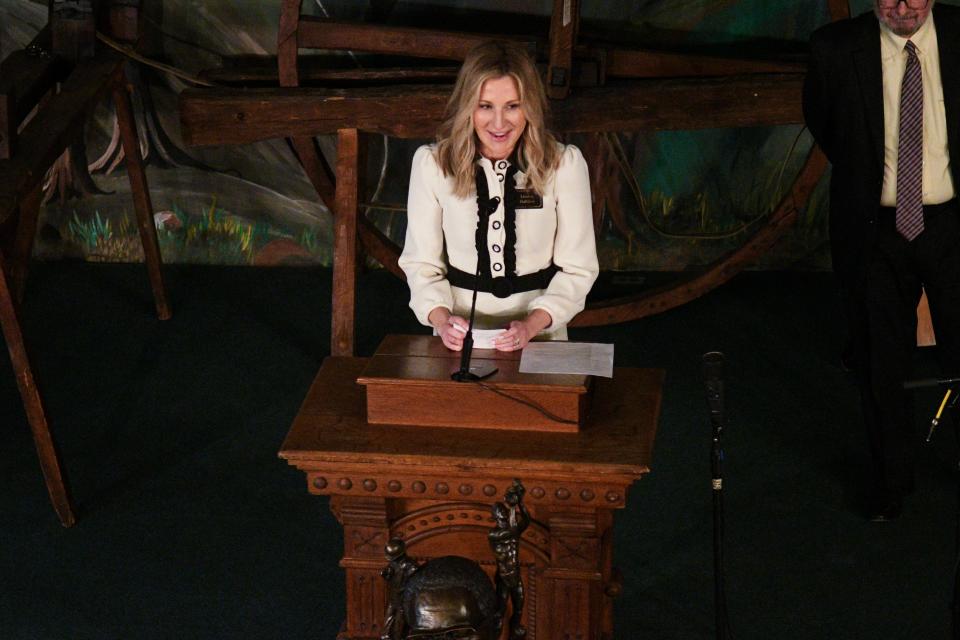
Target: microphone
713 380
923 383
466 373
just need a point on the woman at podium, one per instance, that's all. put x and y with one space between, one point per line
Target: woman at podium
498 204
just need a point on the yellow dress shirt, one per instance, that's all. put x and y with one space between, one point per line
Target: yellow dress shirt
937 182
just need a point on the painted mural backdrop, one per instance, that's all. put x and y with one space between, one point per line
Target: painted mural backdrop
686 197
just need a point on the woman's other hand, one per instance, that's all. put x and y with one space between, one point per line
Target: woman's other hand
451 329
520 332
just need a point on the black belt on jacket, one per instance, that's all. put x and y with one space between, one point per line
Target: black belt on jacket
502 287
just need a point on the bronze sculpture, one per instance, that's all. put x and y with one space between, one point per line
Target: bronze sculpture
511 519
452 598
396 574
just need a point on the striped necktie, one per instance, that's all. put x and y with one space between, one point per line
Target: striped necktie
910 149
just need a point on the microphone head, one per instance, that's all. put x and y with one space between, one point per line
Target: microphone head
713 380
713 364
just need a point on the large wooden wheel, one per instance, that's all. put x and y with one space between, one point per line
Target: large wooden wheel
298 32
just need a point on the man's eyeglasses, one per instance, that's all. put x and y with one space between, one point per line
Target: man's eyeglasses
912 4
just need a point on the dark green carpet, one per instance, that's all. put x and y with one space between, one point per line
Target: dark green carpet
191 527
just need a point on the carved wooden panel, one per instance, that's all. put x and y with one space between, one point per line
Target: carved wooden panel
365 590
573 607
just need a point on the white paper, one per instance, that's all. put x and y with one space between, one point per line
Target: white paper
483 338
588 358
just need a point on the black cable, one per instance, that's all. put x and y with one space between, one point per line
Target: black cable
528 403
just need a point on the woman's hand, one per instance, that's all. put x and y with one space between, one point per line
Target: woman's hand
521 332
451 329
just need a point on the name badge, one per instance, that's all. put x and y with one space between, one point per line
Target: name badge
529 199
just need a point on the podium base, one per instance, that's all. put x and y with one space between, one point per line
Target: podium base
475 373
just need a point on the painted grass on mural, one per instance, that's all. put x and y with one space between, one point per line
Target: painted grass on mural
213 236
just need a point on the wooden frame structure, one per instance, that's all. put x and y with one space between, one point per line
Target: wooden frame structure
38 123
715 92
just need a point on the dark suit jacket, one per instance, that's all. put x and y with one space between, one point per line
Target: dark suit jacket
843 108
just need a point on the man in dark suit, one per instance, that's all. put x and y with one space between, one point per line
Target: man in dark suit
882 99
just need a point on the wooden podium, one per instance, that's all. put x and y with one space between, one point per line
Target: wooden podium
408 382
434 487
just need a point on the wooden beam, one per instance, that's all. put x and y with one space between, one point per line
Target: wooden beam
8 126
287 43
563 37
342 323
316 168
50 132
262 70
319 33
240 116
24 79
380 247
657 64
684 104
73 28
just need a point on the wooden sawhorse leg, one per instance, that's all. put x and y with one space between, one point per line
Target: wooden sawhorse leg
11 289
141 194
22 244
33 405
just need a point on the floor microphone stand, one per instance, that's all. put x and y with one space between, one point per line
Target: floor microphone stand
713 374
716 458
955 601
948 404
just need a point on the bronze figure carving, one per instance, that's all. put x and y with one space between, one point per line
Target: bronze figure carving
511 519
452 598
396 573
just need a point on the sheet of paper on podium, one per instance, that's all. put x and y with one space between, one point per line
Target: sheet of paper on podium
587 358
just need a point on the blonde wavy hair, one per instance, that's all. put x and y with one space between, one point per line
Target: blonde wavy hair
537 150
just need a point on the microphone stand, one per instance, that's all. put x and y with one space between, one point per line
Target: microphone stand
955 604
713 374
930 382
948 403
466 373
